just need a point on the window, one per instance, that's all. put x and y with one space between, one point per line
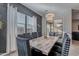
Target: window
3 35
3 28
31 24
20 23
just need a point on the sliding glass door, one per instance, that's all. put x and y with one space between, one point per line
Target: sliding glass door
3 28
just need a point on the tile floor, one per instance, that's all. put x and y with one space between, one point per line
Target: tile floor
74 49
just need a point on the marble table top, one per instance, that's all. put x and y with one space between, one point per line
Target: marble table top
44 44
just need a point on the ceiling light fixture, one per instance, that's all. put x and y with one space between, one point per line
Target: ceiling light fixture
50 17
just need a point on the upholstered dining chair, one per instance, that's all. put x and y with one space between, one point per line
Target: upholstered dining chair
66 45
63 50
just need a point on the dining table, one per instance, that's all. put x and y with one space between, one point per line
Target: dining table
44 44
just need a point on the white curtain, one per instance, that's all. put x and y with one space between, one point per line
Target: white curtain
11 28
34 23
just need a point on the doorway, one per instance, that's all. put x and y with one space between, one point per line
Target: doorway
75 33
75 25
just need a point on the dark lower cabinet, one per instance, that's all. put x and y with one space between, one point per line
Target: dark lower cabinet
75 36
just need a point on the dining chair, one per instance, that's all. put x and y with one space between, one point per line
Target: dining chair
66 45
63 50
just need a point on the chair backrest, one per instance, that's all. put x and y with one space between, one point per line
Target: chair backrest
34 35
51 33
24 35
23 46
39 34
66 45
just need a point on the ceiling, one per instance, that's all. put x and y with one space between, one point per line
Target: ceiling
57 8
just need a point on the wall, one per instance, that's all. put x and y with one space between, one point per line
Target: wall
75 22
75 26
75 15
